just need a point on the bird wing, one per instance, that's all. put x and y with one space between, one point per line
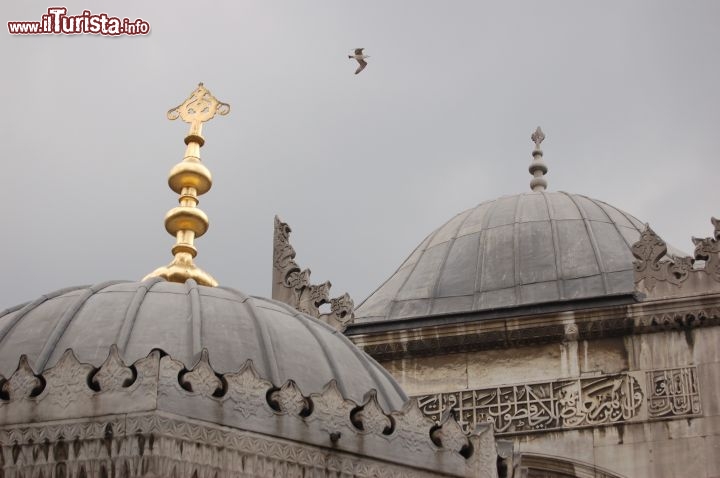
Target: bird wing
362 66
358 51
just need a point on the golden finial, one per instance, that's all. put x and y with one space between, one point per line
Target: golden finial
190 179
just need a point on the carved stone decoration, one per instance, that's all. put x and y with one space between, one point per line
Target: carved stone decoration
483 461
247 391
67 381
113 373
292 285
289 399
93 424
648 251
331 410
314 296
449 434
708 249
542 406
22 383
654 266
202 378
370 417
412 428
566 404
341 312
673 392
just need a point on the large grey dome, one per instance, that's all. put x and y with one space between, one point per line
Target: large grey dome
181 320
523 249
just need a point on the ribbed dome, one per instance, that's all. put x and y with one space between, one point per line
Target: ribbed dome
516 250
182 319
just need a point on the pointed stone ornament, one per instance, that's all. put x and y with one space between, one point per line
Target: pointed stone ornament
113 373
248 391
331 410
22 382
538 168
371 418
412 427
450 434
202 378
67 381
289 399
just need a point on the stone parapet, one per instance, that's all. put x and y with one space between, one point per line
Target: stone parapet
156 417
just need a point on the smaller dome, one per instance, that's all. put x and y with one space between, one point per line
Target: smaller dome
516 250
184 319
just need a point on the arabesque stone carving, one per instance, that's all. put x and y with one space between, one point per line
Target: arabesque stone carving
661 274
292 285
567 404
157 418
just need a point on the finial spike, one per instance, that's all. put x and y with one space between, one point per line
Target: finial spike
538 168
190 179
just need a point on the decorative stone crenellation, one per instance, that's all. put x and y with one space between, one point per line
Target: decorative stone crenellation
158 417
659 274
292 284
571 403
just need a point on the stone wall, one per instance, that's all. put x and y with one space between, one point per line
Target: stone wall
639 405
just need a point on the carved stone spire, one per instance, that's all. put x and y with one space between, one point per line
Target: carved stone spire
190 179
292 285
538 168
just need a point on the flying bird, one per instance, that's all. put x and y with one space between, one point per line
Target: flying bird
360 57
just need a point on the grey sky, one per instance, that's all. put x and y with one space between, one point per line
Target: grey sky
362 167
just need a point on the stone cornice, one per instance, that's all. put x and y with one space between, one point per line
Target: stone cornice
472 332
241 401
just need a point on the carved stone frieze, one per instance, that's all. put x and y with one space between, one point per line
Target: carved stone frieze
155 445
292 285
660 274
567 404
153 419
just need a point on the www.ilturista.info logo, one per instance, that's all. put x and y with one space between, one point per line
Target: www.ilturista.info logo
58 22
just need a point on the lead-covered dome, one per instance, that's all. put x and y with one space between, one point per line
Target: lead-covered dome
516 250
184 319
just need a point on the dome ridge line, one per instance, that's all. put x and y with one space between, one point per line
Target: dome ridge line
364 360
123 335
556 246
441 269
64 322
516 248
195 318
264 341
323 346
430 238
593 242
602 205
477 292
29 306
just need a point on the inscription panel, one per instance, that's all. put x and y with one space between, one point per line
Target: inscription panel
572 403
